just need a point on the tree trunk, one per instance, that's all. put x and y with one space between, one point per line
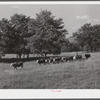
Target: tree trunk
45 55
91 48
19 55
16 55
0 56
27 55
82 48
23 55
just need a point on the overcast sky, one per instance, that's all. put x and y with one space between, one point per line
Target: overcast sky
73 15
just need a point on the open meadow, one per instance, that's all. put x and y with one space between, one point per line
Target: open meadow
70 75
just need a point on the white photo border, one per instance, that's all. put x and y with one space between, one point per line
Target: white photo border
49 93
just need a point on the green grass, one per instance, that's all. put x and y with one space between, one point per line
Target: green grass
70 75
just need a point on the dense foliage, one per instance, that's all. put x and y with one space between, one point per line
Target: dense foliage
41 35
44 35
88 37
48 34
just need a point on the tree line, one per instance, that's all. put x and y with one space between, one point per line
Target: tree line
44 34
22 35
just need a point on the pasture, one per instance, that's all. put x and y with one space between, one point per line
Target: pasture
69 75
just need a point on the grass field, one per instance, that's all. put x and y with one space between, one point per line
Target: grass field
70 75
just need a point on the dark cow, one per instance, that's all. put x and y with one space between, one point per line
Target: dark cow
17 64
51 60
41 61
87 56
77 57
57 60
67 58
70 58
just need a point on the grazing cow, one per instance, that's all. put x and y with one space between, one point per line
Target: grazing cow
74 57
47 61
63 59
57 59
17 64
87 56
78 57
69 58
41 61
51 60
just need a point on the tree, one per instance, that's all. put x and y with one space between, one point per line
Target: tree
48 34
2 47
71 47
96 37
14 34
5 33
19 23
65 45
88 37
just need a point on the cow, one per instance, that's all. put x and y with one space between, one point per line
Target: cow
63 59
47 61
69 58
74 57
77 57
51 60
17 64
87 56
41 61
57 59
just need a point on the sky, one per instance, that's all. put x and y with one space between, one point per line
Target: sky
74 16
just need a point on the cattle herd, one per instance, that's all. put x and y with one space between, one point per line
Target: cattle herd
54 60
63 59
